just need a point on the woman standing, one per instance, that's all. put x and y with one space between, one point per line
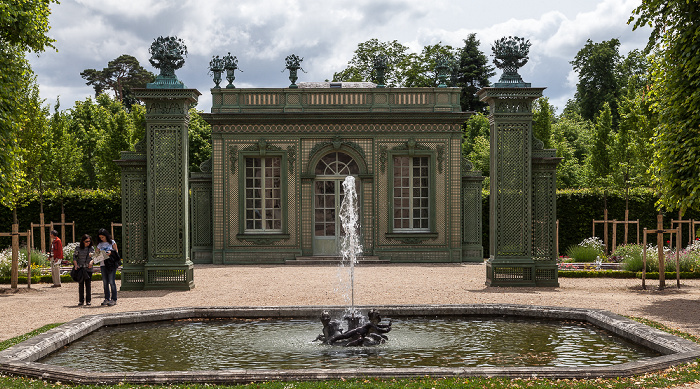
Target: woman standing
82 261
109 273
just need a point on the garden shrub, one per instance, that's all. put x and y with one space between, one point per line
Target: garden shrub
587 251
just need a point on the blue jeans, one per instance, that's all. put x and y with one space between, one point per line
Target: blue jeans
109 282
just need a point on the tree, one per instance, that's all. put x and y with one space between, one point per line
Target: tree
477 125
675 97
599 157
473 74
597 66
23 27
361 66
63 157
419 70
120 76
200 140
571 137
542 117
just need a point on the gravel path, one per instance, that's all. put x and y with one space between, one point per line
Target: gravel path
25 310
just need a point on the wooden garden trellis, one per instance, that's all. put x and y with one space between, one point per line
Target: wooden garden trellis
41 225
115 225
15 235
660 231
606 222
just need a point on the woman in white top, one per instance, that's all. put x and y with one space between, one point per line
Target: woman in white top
109 273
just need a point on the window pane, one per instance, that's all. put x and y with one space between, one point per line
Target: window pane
411 193
263 194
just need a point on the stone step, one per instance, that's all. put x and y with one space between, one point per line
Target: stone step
333 260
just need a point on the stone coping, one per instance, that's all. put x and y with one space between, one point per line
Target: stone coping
22 358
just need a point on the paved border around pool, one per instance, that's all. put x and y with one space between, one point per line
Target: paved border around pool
22 358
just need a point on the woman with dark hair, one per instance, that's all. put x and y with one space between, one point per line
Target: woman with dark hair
82 261
109 273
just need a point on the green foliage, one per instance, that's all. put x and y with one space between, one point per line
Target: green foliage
121 75
102 128
470 71
630 256
200 140
597 65
473 74
542 118
675 98
89 209
477 125
596 274
583 253
600 152
23 27
419 70
360 67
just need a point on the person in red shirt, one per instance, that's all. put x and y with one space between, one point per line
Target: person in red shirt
55 258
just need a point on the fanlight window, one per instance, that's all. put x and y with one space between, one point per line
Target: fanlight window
337 164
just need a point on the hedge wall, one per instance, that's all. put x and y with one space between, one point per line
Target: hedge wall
89 209
95 209
576 209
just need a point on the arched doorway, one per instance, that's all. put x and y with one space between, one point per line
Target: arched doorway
330 172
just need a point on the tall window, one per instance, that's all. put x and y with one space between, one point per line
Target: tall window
411 194
263 194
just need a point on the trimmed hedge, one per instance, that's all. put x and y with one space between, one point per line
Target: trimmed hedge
46 279
89 209
596 274
670 275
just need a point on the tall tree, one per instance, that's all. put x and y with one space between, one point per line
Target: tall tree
23 27
120 76
599 157
675 95
473 74
597 65
63 157
361 66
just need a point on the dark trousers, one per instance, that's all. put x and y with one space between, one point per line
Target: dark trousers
84 291
109 275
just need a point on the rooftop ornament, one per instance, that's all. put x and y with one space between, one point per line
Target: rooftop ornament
510 54
167 54
230 64
293 63
216 67
380 65
443 65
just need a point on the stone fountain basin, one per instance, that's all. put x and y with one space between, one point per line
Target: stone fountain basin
22 358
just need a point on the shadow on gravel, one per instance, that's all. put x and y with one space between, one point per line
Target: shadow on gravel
683 311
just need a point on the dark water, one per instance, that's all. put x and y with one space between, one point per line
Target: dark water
287 344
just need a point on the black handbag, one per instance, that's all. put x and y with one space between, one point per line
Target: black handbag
77 274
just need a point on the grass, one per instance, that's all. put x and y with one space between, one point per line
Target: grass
675 376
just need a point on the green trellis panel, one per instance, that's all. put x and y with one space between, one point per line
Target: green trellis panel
168 264
133 186
519 249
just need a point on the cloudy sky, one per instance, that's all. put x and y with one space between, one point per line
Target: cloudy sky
261 33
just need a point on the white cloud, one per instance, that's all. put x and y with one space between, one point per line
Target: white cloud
262 33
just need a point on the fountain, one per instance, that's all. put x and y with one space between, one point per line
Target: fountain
361 330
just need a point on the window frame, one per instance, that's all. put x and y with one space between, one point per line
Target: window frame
252 234
430 232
